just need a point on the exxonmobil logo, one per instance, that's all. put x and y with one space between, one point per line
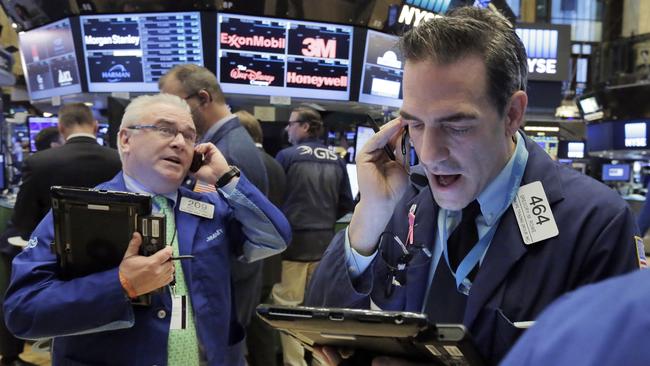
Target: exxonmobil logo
237 41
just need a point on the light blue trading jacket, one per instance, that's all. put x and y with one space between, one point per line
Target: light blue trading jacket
92 320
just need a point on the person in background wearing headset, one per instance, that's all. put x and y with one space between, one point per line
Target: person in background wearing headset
462 249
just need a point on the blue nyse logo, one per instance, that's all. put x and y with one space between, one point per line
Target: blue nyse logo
542 49
436 6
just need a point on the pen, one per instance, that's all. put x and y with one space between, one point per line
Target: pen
182 257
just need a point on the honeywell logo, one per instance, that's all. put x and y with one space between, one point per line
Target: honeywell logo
237 41
317 81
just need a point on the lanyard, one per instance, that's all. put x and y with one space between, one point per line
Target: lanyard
463 284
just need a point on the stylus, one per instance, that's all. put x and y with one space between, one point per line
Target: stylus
182 257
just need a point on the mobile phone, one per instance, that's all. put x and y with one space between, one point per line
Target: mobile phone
375 127
197 162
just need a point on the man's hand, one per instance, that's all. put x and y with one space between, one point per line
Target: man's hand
382 182
214 163
146 274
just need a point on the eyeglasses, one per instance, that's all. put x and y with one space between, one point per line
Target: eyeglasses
168 132
292 122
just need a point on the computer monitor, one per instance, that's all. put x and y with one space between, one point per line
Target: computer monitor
282 57
635 134
49 60
352 176
383 67
36 124
364 133
616 173
130 52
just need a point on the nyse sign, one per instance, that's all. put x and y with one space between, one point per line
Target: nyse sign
410 15
547 48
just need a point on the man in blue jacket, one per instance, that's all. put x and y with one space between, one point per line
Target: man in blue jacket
92 318
501 230
216 124
601 324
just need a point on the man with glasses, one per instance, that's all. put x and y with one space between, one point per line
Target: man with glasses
216 124
318 194
190 322
501 230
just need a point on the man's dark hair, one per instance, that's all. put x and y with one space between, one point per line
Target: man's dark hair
45 137
75 114
468 31
311 116
193 79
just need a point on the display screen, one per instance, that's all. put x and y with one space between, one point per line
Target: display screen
267 56
383 67
635 134
129 53
616 172
49 61
36 124
548 143
547 47
364 133
576 150
352 175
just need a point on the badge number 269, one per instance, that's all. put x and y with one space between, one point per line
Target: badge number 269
534 215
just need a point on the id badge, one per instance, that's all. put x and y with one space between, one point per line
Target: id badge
179 312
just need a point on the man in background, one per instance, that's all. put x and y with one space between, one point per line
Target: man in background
80 162
198 86
261 339
319 193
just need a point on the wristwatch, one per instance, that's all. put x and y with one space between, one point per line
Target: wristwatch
228 176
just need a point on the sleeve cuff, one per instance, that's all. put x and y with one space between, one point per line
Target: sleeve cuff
356 263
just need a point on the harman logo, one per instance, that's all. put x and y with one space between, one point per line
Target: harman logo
65 77
116 73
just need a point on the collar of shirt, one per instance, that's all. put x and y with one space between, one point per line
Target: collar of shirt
491 199
207 137
81 134
136 187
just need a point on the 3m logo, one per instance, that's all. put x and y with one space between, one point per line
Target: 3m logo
318 47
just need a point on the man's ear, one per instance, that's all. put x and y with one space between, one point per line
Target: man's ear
204 97
123 139
515 112
95 127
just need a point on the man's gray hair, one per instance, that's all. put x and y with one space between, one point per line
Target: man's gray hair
141 106
469 31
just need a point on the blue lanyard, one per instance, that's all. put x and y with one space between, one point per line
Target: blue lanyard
463 284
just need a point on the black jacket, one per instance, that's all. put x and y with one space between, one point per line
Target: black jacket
318 193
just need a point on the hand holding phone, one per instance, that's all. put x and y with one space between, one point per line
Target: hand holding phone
197 162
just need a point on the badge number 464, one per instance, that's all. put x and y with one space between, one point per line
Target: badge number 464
533 213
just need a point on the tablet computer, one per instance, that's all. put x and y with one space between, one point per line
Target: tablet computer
93 227
391 333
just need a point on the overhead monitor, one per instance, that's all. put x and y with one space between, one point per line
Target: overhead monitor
383 67
548 143
280 57
616 172
576 149
364 133
548 48
36 124
591 107
49 60
130 52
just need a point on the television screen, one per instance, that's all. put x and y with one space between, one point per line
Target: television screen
576 150
49 60
616 172
268 56
364 133
548 143
383 66
590 105
36 124
130 52
352 175
548 49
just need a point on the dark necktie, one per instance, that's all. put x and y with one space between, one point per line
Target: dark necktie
444 303
464 237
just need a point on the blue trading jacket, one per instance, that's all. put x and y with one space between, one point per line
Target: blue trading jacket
92 320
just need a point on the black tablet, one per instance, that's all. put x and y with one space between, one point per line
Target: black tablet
92 227
400 334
